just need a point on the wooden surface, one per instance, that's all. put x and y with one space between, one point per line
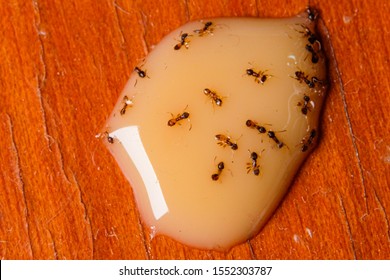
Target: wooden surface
62 196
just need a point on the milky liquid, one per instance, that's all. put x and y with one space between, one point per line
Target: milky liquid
170 168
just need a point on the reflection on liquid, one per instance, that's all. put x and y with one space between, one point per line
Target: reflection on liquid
130 139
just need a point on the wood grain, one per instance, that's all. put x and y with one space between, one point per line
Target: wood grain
63 65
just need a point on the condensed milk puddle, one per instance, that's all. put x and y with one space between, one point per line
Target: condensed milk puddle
214 123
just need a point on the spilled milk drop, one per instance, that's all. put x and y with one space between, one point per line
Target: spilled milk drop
214 123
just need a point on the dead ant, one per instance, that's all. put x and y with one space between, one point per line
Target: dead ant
307 141
126 102
183 42
213 96
260 76
224 141
205 30
220 167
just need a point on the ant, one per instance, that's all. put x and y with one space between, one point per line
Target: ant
224 141
110 139
179 117
305 108
214 96
260 76
307 142
205 30
183 42
311 13
301 77
271 134
140 72
126 102
253 124
314 55
253 166
311 37
220 166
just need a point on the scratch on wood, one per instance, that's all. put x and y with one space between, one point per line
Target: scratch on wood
41 76
20 183
3 252
118 22
188 16
111 233
86 217
86 214
383 210
305 242
146 246
45 128
62 162
257 8
344 213
40 33
253 254
345 105
96 234
142 233
144 32
62 209
53 245
299 214
98 67
120 8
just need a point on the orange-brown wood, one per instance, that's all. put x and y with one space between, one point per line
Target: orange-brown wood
62 196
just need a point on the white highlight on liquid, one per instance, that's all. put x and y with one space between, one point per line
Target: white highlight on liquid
130 139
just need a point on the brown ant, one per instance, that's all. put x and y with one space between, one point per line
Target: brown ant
141 73
307 142
220 166
205 30
253 166
260 76
311 37
305 105
213 96
179 117
301 77
253 124
110 139
311 13
183 42
224 141
271 134
126 102
314 55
